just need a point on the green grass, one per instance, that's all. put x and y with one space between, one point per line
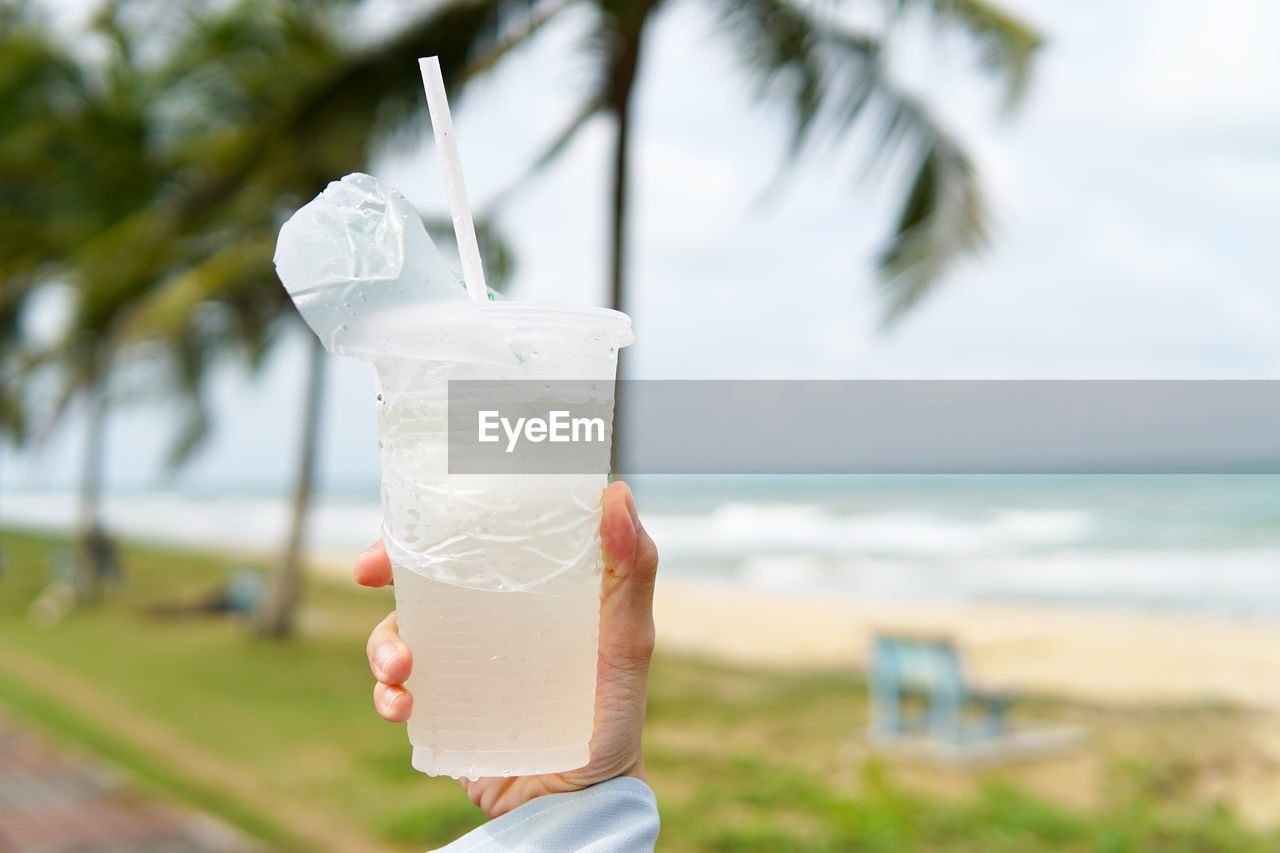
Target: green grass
157 776
742 760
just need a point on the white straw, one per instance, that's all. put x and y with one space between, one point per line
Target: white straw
455 188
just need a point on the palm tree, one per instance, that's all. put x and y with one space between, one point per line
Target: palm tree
33 74
269 109
828 76
73 161
41 90
266 134
112 186
96 168
320 108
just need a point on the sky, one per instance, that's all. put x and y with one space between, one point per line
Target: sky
1133 199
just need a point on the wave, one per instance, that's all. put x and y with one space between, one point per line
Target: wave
1231 581
255 523
980 553
747 528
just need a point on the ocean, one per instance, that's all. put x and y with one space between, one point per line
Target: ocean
1201 544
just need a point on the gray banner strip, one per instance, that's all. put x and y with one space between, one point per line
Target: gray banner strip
887 427
950 427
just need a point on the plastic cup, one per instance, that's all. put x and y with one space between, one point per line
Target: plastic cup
497 576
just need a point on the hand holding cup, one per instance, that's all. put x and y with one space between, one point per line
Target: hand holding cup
622 672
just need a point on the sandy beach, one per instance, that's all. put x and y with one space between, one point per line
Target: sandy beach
1094 654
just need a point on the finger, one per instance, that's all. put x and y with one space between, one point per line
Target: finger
393 703
626 598
630 556
646 550
389 657
617 530
373 567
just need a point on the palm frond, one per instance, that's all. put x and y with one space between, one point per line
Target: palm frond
278 145
777 44
223 301
514 27
832 79
469 38
943 219
169 307
42 96
1006 42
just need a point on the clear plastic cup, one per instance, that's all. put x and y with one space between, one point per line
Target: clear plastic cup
497 576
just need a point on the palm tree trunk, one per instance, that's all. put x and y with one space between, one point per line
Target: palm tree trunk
624 60
89 533
278 616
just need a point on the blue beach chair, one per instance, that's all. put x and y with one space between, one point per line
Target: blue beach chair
929 668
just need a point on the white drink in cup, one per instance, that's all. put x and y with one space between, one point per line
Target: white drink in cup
497 577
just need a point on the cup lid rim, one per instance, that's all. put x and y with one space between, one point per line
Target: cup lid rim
585 315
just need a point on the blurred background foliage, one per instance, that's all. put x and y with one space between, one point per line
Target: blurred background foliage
149 178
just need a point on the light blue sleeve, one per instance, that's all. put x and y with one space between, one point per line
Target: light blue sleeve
618 816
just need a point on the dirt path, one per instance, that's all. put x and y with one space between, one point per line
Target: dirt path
321 830
53 799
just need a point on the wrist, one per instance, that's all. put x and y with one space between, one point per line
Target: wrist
637 770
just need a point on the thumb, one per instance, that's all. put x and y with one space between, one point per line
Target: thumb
626 594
